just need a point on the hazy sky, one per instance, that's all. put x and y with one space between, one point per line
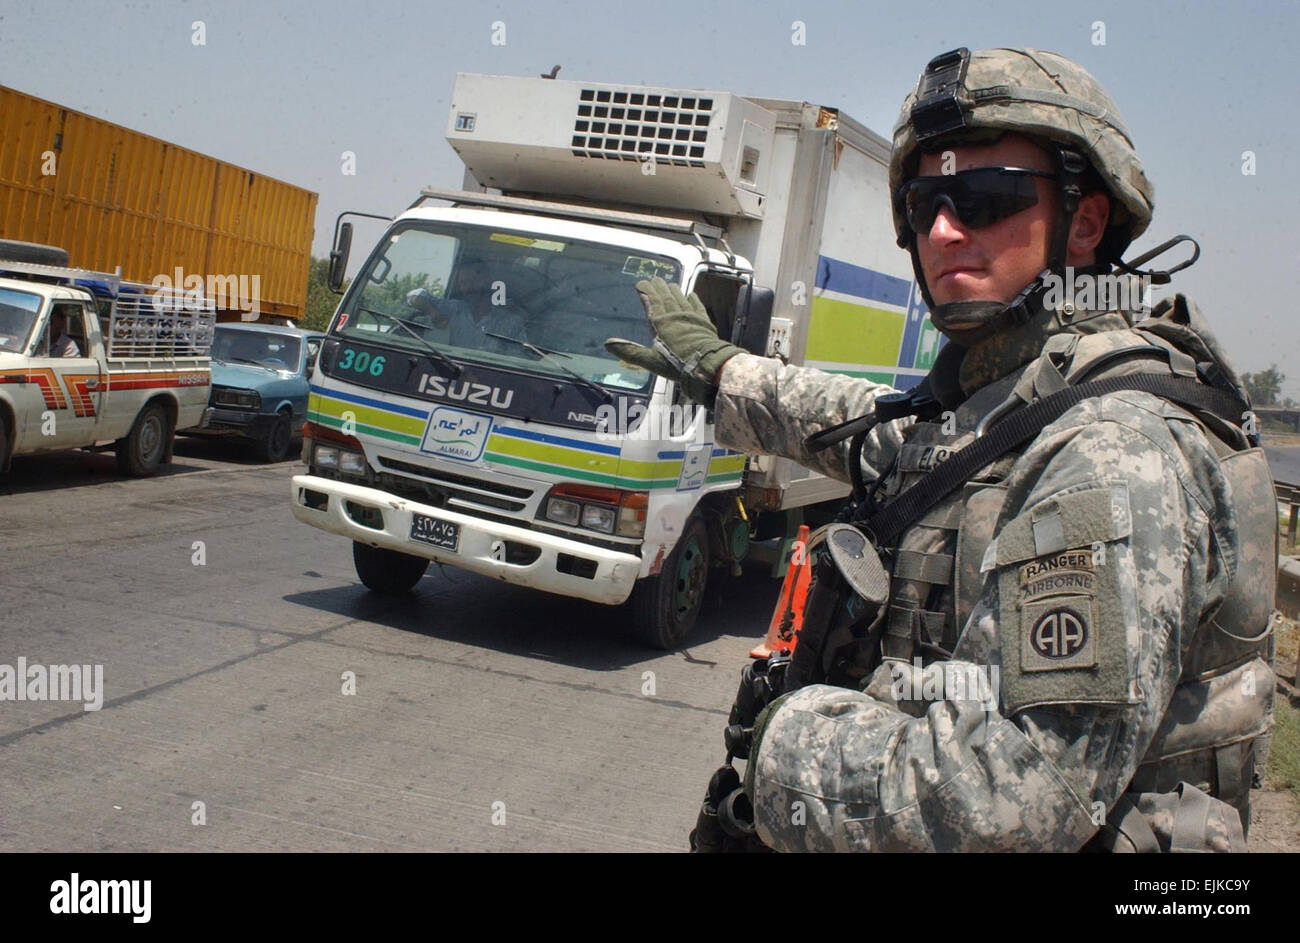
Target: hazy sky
285 88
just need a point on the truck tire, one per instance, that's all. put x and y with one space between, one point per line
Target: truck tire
274 445
387 571
33 252
666 606
4 444
142 451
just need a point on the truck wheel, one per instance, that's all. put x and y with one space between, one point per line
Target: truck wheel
275 444
4 444
387 571
665 607
141 452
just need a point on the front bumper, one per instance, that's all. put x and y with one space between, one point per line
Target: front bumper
485 546
220 421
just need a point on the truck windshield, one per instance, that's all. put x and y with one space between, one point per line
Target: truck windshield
261 348
456 286
17 315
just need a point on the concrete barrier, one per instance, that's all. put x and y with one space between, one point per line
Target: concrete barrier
1288 586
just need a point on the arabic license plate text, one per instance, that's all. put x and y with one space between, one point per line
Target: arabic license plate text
430 530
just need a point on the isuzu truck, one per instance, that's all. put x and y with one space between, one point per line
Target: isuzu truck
465 409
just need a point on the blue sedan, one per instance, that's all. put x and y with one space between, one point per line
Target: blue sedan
260 383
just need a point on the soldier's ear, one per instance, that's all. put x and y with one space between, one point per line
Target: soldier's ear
1087 228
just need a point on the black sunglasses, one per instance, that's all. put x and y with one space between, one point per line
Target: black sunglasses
979 197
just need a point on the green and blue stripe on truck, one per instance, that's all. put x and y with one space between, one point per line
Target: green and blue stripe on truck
560 456
867 324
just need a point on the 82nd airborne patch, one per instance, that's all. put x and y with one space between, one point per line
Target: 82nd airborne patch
1058 613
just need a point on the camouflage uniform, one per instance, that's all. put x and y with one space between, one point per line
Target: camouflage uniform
1120 519
1076 647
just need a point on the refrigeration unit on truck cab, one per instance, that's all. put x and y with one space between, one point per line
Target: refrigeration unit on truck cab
465 409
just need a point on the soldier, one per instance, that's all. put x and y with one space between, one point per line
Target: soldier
1109 580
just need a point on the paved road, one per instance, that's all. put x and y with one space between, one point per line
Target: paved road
1284 462
223 684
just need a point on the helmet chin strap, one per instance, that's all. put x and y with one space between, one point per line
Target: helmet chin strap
991 317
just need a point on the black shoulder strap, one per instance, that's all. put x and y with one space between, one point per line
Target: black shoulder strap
1024 425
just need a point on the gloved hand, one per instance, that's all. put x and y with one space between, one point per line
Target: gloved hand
687 348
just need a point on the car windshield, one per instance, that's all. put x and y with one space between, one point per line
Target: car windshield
475 293
261 348
17 315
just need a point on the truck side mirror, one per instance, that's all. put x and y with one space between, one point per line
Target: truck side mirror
339 257
753 319
328 351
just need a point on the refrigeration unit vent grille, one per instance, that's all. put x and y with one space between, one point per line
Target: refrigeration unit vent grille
669 129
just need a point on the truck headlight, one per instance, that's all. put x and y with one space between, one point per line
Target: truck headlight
598 517
327 456
352 463
607 510
563 512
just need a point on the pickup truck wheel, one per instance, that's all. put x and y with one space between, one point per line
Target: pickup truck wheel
387 571
141 452
665 607
275 444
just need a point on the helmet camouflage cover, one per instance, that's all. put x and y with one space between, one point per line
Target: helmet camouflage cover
965 96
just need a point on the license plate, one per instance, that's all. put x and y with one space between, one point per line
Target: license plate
430 530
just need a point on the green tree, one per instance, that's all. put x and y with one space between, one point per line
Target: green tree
1264 386
321 302
389 295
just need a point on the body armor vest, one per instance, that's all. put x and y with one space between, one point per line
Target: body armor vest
1215 729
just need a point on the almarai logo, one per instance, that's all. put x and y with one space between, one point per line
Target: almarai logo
480 394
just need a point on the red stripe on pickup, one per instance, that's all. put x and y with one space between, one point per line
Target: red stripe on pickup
150 381
45 379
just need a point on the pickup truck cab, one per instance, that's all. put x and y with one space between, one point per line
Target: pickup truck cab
87 360
260 383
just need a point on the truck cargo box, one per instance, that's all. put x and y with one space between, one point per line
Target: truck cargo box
115 197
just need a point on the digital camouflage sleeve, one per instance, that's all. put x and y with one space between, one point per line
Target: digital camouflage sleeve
767 408
1128 481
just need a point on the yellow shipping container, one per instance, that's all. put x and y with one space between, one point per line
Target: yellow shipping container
114 197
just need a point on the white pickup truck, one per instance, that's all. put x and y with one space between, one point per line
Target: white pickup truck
89 360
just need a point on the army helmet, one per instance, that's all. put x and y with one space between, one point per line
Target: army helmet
965 96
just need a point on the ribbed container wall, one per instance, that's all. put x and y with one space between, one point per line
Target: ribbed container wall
114 197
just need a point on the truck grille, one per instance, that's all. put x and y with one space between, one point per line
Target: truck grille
637 126
445 489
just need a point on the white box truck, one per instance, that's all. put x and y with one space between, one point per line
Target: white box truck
465 409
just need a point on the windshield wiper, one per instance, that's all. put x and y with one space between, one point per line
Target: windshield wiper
438 355
251 363
550 355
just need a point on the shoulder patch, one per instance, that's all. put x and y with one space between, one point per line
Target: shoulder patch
1063 637
1059 633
